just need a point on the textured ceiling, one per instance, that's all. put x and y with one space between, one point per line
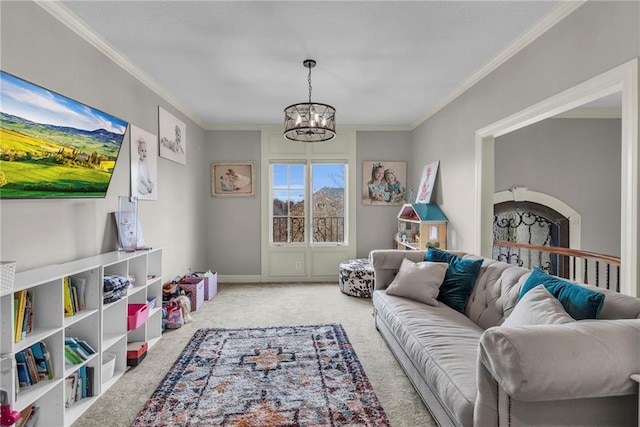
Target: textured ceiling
239 63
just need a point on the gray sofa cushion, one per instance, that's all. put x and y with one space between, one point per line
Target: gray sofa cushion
426 333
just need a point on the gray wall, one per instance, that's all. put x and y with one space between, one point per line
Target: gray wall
232 224
376 225
199 231
574 160
595 38
38 48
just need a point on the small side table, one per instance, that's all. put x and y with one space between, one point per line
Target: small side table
355 278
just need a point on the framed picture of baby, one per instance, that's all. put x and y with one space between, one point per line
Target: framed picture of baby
173 137
233 179
384 183
144 164
425 190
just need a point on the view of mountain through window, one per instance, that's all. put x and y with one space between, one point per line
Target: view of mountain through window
325 212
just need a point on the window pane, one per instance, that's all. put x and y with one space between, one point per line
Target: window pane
328 183
288 190
296 177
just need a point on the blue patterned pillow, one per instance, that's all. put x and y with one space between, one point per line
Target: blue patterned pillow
459 280
578 301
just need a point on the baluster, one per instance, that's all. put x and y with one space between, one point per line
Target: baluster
586 269
608 274
597 273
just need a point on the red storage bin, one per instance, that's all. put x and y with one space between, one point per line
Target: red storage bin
136 315
136 352
195 292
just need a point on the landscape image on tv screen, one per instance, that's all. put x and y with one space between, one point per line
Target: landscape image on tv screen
52 146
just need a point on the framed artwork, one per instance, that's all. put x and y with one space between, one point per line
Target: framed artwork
173 137
233 179
384 183
425 190
144 164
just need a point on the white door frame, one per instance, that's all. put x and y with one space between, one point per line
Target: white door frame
624 79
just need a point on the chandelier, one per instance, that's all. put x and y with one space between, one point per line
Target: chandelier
309 121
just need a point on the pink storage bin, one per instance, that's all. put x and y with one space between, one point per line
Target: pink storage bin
137 314
210 283
195 292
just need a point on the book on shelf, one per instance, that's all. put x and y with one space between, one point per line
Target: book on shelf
25 415
77 385
27 326
73 341
33 418
71 357
43 360
89 382
33 364
69 395
21 296
23 374
79 284
68 303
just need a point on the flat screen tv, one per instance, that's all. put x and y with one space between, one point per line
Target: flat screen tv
52 146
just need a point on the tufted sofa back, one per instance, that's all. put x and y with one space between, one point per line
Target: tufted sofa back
495 292
496 289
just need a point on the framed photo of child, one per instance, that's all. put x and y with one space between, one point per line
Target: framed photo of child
425 190
173 137
233 179
144 164
384 183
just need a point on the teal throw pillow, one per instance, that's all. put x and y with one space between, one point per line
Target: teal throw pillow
459 280
580 302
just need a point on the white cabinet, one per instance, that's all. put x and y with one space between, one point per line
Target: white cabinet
102 326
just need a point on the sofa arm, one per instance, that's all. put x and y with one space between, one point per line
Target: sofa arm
583 359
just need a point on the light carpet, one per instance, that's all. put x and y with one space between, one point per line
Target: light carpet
284 376
258 305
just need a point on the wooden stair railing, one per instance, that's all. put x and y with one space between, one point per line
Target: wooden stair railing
584 266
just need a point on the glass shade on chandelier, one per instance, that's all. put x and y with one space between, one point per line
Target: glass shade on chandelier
309 121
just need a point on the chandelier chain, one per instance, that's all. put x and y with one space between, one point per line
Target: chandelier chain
309 80
308 121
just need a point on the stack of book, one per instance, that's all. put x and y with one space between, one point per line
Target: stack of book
28 416
79 385
76 350
22 314
33 364
74 295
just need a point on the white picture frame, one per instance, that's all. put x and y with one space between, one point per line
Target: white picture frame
428 180
173 137
144 164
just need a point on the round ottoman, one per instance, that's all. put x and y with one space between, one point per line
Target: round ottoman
356 278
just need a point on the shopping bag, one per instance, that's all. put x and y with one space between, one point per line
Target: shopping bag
174 318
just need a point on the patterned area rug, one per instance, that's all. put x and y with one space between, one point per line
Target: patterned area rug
273 376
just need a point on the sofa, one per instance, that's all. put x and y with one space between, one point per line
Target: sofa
473 367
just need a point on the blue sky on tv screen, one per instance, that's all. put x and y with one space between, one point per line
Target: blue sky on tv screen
34 103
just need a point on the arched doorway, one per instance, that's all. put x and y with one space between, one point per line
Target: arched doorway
531 217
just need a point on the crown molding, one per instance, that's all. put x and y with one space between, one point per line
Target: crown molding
591 113
62 14
557 14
